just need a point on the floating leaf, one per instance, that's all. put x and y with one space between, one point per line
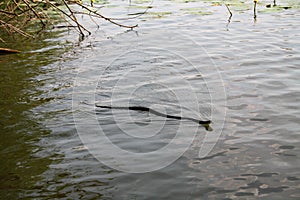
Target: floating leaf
158 14
197 11
185 1
142 1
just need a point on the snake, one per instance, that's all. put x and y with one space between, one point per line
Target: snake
204 123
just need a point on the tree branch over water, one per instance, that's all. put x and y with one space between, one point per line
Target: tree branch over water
96 14
20 16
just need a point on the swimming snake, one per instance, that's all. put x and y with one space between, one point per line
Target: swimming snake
204 123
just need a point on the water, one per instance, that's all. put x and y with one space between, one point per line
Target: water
171 63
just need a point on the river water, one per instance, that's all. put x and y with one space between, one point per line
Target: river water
185 58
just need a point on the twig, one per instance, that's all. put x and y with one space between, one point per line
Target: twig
2 40
79 26
230 16
8 51
8 13
229 11
15 29
73 17
92 19
17 5
106 18
136 14
34 12
254 10
22 12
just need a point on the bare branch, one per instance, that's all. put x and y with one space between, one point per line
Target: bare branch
71 15
228 10
254 10
11 27
34 12
8 13
103 17
15 15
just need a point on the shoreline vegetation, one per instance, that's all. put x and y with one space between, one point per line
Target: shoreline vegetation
29 18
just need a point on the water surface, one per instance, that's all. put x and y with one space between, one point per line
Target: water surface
173 59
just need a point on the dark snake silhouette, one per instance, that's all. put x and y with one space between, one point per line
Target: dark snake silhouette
204 123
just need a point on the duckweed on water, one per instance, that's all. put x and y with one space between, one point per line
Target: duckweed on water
240 5
281 6
140 7
184 1
101 2
197 11
141 1
158 14
235 6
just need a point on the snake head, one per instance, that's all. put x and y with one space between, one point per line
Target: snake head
206 125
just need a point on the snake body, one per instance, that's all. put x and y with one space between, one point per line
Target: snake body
146 109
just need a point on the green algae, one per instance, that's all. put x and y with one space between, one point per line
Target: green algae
197 11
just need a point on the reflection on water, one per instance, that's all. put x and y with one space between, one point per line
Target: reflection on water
256 156
23 159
